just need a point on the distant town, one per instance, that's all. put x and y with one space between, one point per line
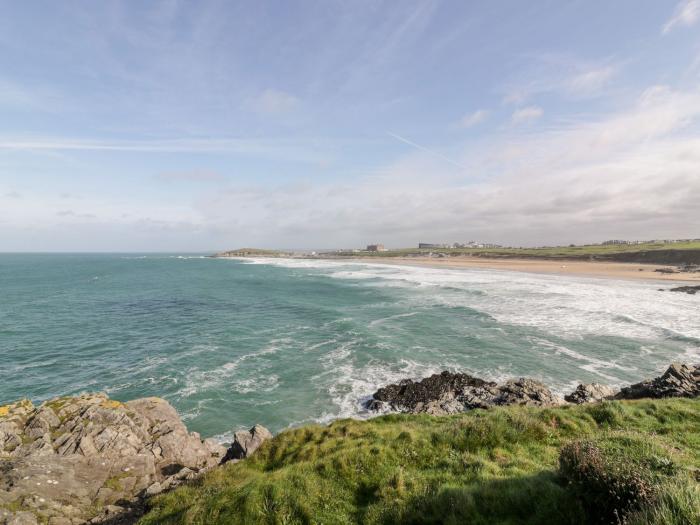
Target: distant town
478 245
437 249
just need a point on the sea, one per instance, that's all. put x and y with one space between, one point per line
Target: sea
284 342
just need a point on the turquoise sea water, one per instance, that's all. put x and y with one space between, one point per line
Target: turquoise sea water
231 343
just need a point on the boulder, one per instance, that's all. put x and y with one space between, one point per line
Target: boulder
245 442
73 457
450 393
421 396
692 290
679 380
525 391
19 518
589 393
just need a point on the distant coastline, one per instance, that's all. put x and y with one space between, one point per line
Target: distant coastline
601 269
654 262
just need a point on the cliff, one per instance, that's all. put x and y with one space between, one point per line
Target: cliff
89 457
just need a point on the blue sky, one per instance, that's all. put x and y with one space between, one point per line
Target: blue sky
184 126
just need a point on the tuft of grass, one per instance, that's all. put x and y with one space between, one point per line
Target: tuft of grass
482 467
677 504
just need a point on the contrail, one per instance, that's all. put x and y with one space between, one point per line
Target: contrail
427 150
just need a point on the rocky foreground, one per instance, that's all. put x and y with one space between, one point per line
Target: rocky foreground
452 393
90 459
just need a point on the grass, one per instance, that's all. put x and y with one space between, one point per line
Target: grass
248 252
554 252
483 467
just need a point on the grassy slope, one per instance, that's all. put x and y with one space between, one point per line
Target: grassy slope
496 466
554 252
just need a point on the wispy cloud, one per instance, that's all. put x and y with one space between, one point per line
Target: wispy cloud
564 75
191 176
527 114
591 81
274 102
73 214
298 149
474 118
427 150
687 13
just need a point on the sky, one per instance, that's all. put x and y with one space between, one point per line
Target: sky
204 126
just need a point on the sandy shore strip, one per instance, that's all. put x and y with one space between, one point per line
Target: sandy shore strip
610 270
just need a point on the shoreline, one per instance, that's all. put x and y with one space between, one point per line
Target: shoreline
596 269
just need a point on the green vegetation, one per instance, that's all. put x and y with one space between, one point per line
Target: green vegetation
637 461
115 482
253 252
555 252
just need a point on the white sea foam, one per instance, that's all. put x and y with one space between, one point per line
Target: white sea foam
573 306
559 307
391 318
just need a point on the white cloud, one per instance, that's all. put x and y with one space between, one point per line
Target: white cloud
273 102
632 174
591 81
686 13
472 119
526 114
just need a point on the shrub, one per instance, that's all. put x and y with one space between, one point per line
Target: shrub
615 476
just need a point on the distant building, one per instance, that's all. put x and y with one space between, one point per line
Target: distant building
474 244
376 248
614 241
431 246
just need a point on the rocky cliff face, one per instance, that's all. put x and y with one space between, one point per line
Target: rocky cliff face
71 458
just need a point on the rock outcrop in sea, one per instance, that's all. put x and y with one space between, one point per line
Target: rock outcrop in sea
590 393
71 458
678 381
451 393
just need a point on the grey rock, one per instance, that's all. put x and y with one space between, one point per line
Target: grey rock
414 396
679 380
691 290
60 521
21 518
450 393
71 456
245 442
525 391
590 393
155 488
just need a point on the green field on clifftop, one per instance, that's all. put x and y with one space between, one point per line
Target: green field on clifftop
583 251
636 462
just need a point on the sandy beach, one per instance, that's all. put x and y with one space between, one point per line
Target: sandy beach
611 270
